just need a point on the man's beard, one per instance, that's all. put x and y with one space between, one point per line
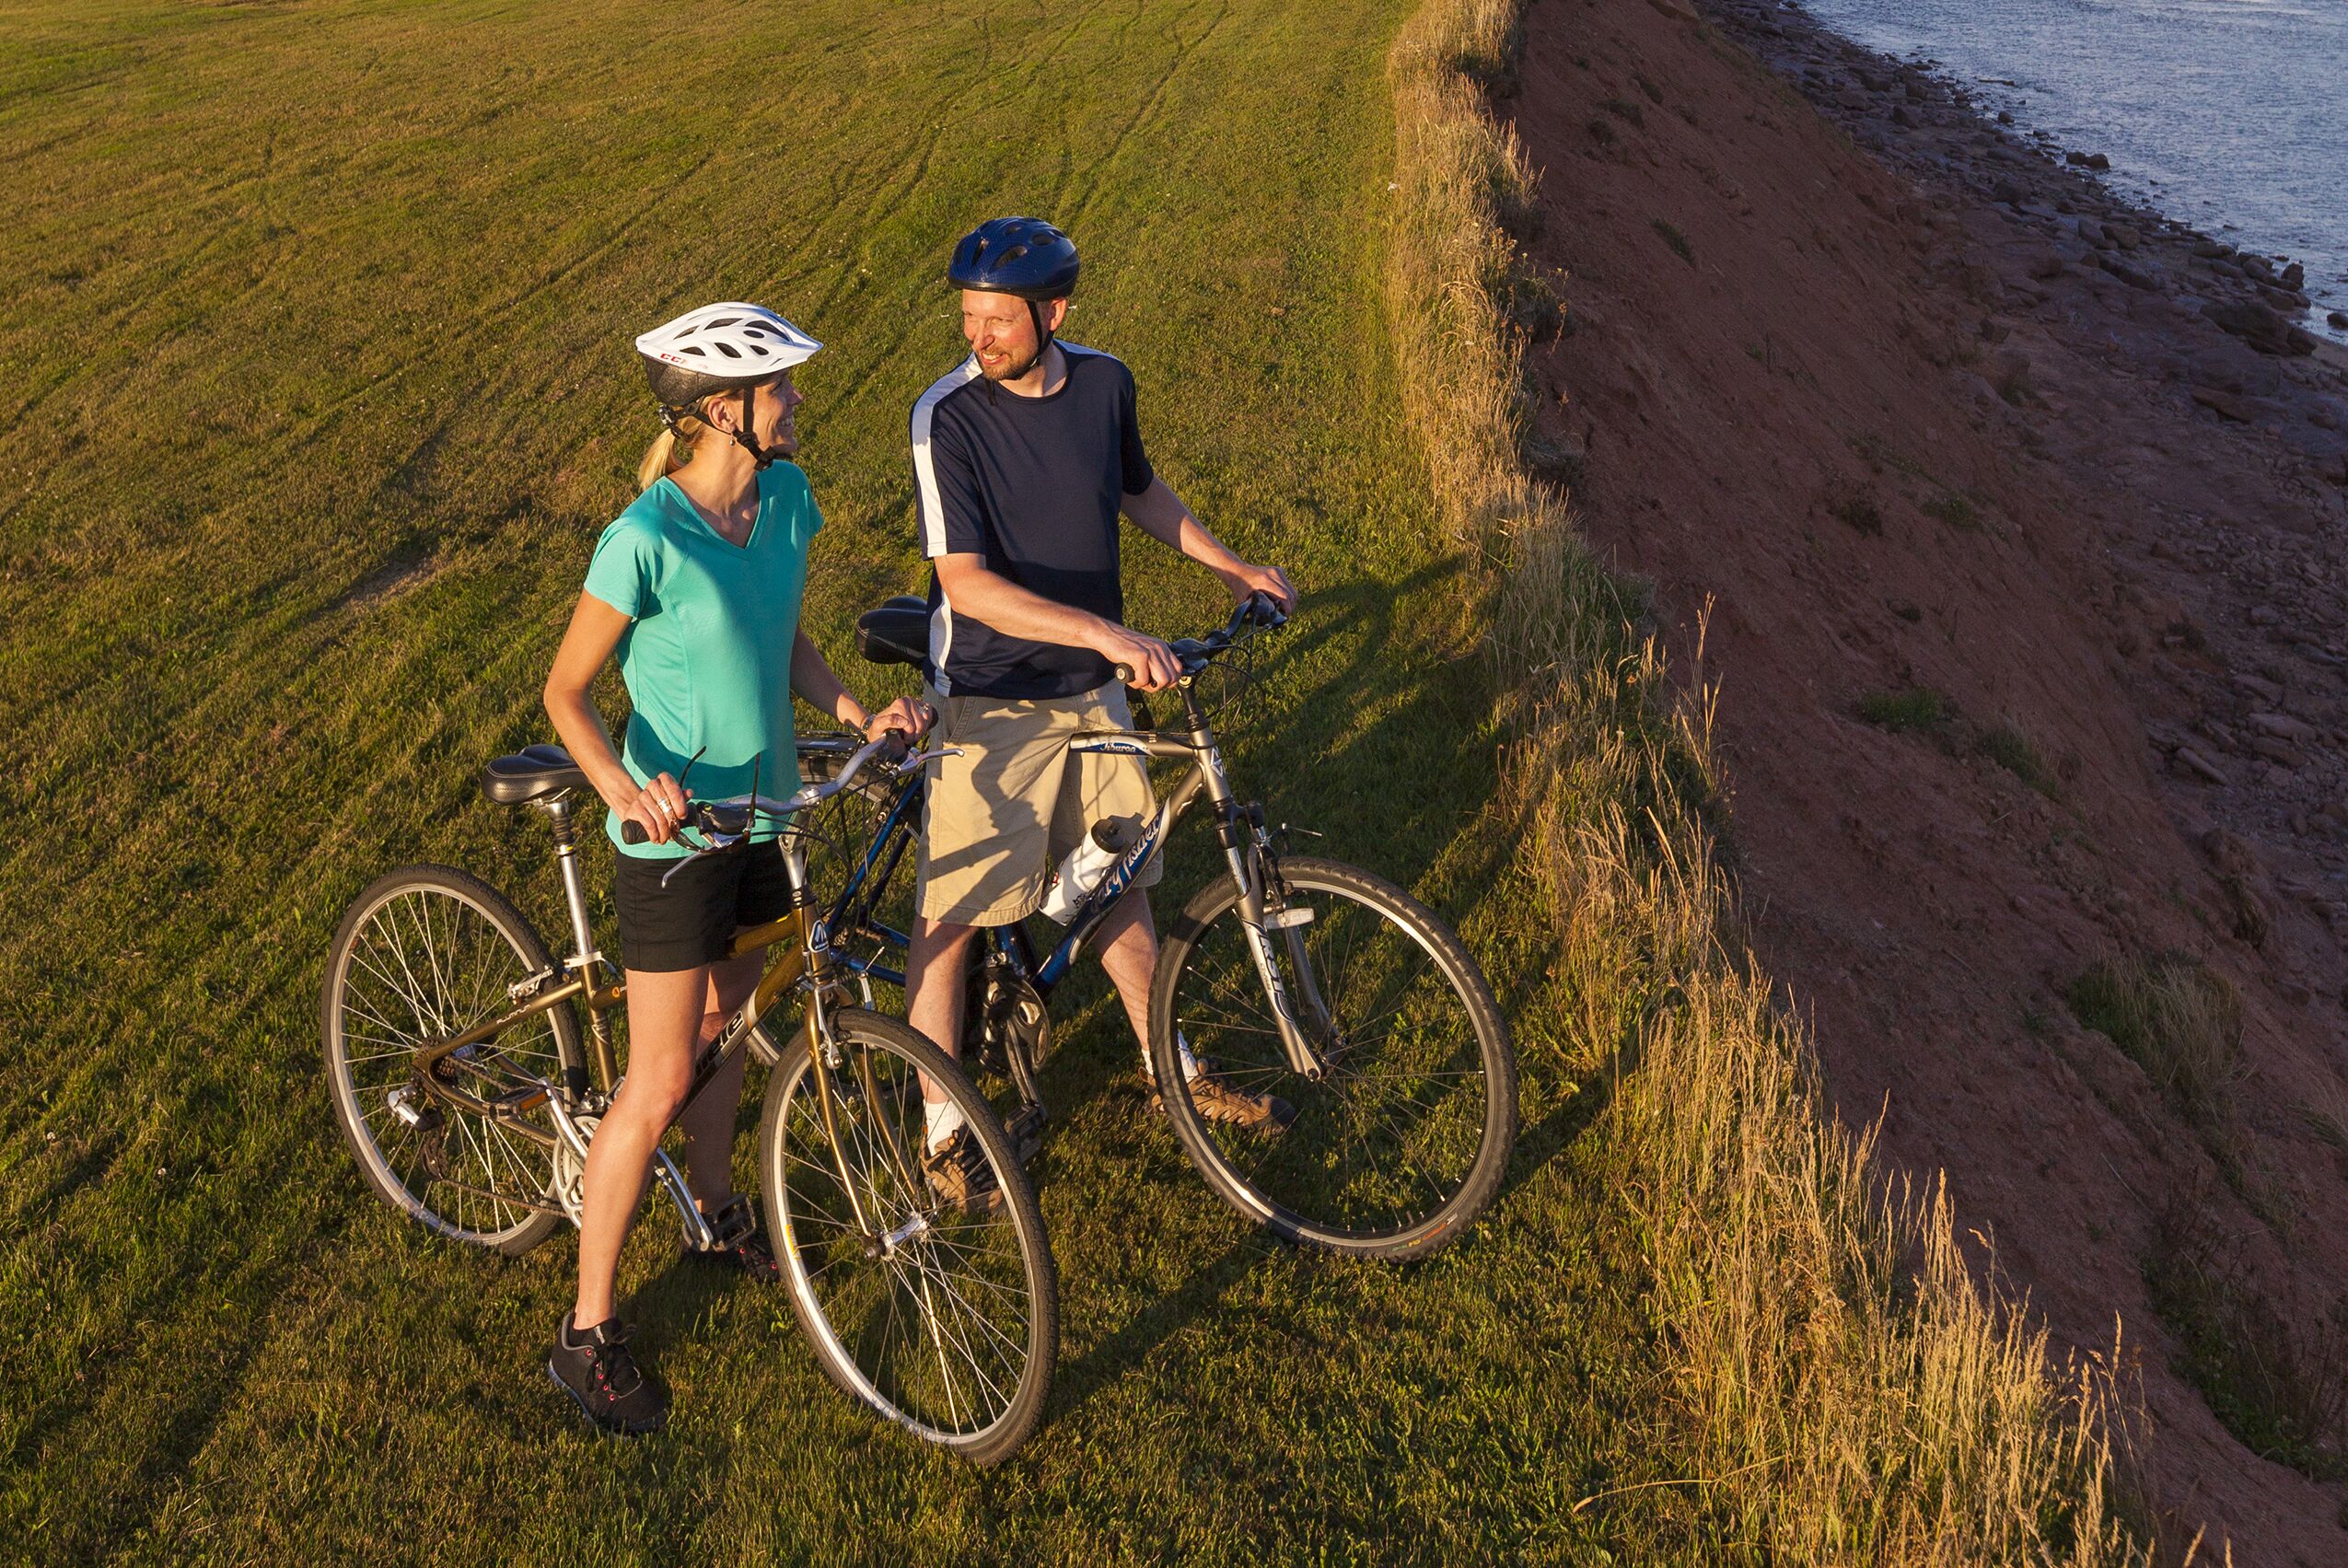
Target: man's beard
1012 372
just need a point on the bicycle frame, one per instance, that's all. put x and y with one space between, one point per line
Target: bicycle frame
1244 845
806 963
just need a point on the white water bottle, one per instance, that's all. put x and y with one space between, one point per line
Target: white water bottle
1083 869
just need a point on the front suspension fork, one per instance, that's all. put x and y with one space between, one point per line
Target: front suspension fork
1247 848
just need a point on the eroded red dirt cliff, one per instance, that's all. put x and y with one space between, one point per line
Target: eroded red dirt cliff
1901 437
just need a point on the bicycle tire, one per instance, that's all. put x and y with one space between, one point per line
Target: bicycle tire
858 1309
377 997
1298 1182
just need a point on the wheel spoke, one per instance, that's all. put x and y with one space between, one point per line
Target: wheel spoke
443 960
1388 1137
939 1330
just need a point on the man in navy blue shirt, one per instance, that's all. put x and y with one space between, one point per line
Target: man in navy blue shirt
1024 454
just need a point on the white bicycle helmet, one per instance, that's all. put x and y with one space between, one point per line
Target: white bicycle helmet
716 347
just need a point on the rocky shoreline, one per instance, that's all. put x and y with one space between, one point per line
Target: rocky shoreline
1914 115
2243 610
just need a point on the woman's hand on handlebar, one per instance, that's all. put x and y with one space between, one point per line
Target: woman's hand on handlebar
658 808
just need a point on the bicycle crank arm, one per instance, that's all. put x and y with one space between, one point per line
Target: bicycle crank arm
698 1235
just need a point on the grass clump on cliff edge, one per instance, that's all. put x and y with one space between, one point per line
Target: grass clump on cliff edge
1843 1388
2019 755
2283 1392
2175 1017
1914 708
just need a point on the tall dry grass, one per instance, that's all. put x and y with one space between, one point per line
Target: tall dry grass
1841 1384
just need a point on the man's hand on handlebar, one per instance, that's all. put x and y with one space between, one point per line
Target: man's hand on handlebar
1244 579
1142 662
908 716
659 809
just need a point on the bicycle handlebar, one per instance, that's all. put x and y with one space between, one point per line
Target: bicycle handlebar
729 820
1259 611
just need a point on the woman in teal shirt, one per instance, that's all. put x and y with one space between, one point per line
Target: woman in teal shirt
696 588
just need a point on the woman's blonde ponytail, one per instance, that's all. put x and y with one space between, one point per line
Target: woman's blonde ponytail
673 448
660 459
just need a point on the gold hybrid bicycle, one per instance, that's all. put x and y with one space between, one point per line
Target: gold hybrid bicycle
455 1062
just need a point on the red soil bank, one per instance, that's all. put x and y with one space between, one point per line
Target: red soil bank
1900 435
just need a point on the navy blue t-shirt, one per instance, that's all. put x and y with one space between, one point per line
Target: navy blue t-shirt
1033 487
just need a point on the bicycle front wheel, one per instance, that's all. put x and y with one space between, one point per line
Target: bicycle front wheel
426 952
943 1317
1403 1140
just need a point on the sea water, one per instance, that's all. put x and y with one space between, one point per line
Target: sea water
2231 115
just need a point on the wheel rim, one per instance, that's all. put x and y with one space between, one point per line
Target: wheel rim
937 1334
422 963
1390 1137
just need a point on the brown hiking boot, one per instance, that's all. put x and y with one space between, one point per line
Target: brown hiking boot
1215 1099
960 1177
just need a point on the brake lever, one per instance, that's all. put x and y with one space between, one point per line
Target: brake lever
714 843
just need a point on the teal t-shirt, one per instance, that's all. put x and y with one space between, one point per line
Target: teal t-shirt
707 655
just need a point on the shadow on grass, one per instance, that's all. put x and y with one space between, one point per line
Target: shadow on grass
1551 1136
1130 1347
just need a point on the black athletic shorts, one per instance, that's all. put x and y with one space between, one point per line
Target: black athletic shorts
689 922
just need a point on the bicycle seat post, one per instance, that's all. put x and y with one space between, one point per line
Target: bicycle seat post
583 958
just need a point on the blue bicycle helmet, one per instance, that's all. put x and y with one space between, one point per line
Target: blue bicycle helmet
1026 257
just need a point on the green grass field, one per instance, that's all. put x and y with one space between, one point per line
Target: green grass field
318 391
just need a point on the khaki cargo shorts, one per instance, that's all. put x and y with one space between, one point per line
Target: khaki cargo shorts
1002 815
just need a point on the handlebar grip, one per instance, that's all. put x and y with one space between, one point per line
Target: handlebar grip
632 831
1124 672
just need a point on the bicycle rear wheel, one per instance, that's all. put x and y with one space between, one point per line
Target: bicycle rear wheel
423 952
1403 1141
946 1321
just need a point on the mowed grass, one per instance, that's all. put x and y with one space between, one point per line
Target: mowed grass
318 393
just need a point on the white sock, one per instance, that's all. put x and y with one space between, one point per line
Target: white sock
942 1119
1189 1063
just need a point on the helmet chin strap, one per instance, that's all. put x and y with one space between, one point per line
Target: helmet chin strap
1043 340
1043 333
760 456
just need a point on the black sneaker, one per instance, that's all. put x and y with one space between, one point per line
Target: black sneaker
596 1369
960 1177
740 1244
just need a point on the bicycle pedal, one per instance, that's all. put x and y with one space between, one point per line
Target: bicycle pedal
1026 1131
731 1225
515 1102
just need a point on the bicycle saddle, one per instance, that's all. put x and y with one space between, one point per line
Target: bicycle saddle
532 775
896 633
